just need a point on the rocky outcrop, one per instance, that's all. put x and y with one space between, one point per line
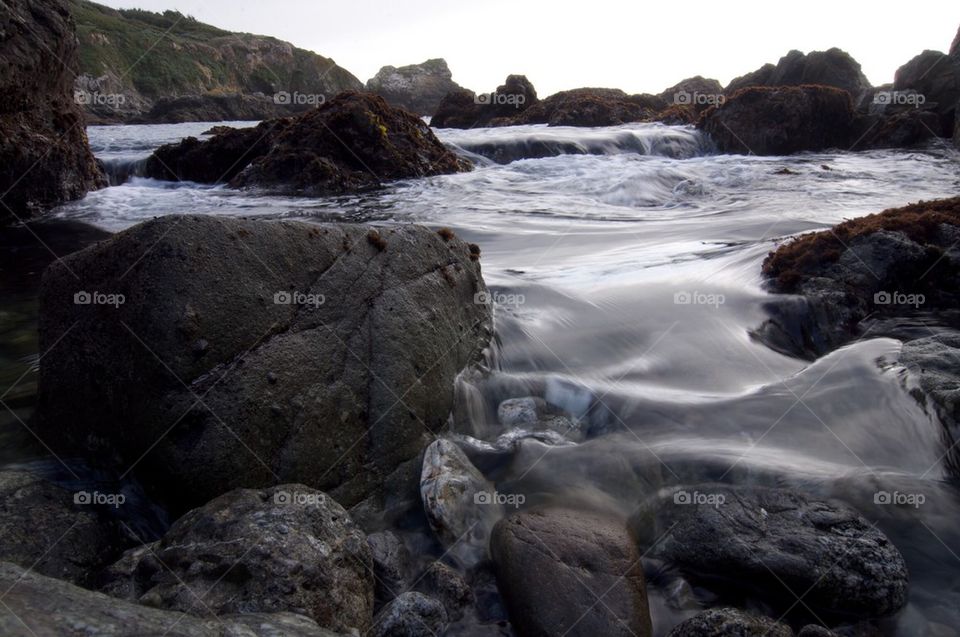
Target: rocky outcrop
418 88
772 543
216 72
284 549
567 572
465 109
692 96
901 127
832 67
729 622
56 532
245 353
38 606
781 120
590 107
44 156
936 77
411 615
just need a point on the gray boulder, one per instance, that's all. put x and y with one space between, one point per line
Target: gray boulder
729 622
286 548
250 353
936 76
447 585
39 606
391 561
411 615
773 543
418 88
564 572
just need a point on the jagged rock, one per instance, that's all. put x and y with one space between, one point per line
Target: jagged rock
299 339
418 88
44 156
286 548
729 622
465 109
447 585
832 67
411 615
936 76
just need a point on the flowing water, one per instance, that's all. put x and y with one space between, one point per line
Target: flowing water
625 270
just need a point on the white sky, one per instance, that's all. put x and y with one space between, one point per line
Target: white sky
634 45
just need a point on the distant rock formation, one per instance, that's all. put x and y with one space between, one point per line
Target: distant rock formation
465 109
832 67
418 88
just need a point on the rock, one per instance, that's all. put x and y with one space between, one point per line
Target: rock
459 502
418 88
391 561
590 107
812 630
781 121
411 615
45 529
772 543
458 109
45 159
286 548
216 160
697 93
465 109
515 412
729 622
39 606
346 328
352 142
936 77
898 129
218 107
832 67
447 585
955 47
569 572
935 362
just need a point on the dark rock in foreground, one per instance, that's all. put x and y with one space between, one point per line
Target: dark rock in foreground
554 565
781 121
773 543
287 548
832 67
44 156
250 353
729 622
418 88
38 606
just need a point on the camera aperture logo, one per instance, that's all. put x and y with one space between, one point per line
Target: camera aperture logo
686 98
708 499
514 500
899 298
297 498
285 98
900 98
494 98
96 498
499 298
899 499
98 298
87 98
293 297
685 297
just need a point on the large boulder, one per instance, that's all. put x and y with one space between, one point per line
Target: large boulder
591 107
207 354
39 606
418 88
503 107
284 549
772 543
56 532
832 67
564 572
936 77
781 120
729 622
44 155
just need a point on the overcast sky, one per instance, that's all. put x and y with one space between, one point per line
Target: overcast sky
634 45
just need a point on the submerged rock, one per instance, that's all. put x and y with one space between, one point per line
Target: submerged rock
212 353
832 67
729 622
781 120
44 155
418 88
564 572
411 615
287 548
38 606
772 543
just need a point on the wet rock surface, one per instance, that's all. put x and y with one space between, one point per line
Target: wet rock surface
729 622
936 77
411 615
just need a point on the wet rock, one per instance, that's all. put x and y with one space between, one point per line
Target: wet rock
216 107
447 585
418 88
345 327
935 363
832 67
590 107
391 560
781 120
44 156
729 622
773 542
936 76
812 630
896 129
698 93
458 501
515 412
554 565
458 109
49 530
48 606
465 109
286 548
411 615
